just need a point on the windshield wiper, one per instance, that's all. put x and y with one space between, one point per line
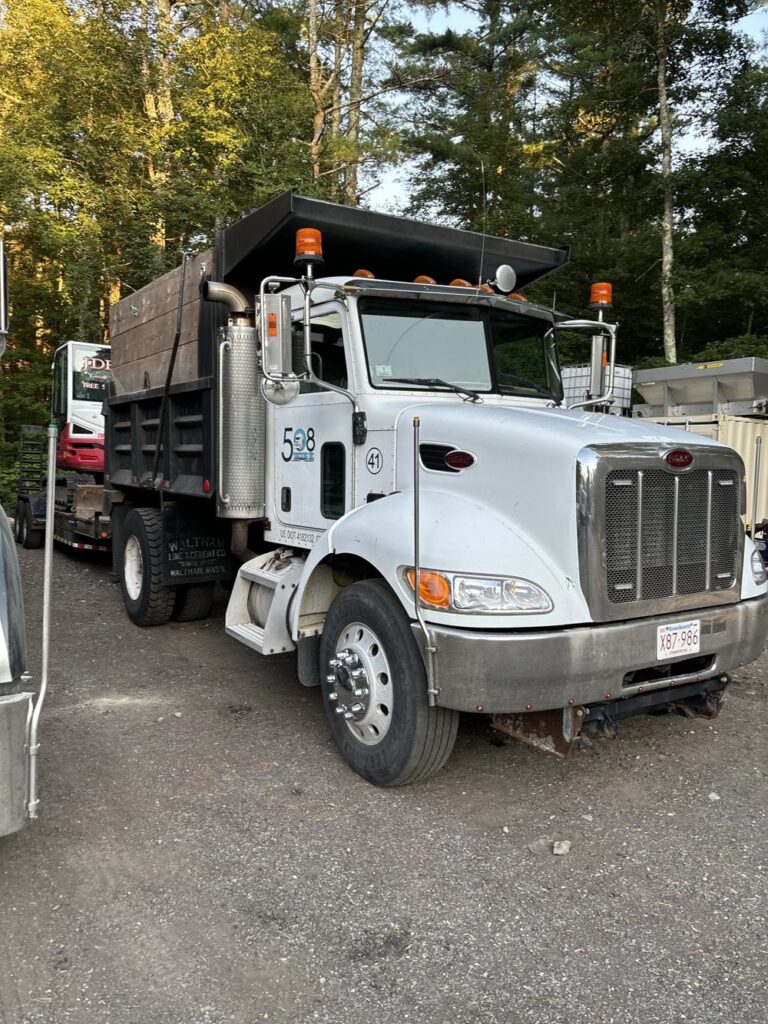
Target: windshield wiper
433 382
523 382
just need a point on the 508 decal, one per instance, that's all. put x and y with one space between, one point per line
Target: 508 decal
298 444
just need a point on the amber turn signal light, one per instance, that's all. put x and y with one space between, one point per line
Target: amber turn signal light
434 588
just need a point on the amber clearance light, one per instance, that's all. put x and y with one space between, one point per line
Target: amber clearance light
434 588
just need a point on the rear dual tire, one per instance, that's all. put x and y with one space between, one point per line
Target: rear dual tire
147 599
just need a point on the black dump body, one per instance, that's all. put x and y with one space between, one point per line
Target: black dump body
392 248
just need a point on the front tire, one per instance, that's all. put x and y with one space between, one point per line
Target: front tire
375 690
148 601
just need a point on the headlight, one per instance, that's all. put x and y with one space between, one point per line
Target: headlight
479 594
758 569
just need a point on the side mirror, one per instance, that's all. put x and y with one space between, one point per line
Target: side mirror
275 336
506 279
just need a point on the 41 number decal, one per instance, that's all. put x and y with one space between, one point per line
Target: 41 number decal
374 460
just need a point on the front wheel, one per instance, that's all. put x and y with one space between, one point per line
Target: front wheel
375 690
148 601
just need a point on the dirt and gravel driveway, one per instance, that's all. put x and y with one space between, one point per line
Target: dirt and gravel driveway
203 856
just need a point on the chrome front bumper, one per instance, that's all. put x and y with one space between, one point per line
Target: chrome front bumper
500 672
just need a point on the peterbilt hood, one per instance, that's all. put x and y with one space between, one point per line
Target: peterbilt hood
518 501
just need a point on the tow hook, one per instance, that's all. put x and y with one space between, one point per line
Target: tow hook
350 685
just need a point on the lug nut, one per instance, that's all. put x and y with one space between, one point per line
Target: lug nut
334 663
331 679
362 691
357 708
333 696
341 710
348 715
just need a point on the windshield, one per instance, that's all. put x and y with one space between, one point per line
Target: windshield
410 345
91 373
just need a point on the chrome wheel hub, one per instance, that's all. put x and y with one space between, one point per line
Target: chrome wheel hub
360 682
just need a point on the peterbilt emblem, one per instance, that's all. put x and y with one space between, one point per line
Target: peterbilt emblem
678 458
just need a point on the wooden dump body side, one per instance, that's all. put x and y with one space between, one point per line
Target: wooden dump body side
142 328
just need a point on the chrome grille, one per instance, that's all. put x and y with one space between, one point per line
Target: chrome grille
669 534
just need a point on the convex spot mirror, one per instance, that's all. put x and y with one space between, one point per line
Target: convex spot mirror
282 392
506 279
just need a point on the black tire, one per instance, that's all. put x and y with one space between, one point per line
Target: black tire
418 738
31 537
148 601
193 601
18 521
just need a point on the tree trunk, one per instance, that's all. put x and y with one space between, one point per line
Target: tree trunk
668 212
360 11
316 90
158 106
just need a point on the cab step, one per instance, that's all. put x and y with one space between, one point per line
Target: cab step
257 613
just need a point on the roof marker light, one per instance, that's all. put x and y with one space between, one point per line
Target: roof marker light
364 273
424 279
459 282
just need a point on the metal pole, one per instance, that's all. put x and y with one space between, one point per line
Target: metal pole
429 645
32 745
756 484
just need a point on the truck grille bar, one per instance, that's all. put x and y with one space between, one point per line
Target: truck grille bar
652 539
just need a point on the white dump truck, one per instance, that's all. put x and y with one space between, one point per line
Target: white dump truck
356 422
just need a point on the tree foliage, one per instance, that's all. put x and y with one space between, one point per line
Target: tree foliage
132 129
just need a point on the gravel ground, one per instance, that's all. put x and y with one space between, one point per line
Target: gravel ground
203 856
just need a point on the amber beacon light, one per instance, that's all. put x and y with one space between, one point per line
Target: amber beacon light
601 295
309 245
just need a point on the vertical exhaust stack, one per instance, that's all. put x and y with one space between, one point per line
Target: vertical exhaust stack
241 423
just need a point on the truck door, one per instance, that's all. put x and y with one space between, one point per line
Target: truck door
312 441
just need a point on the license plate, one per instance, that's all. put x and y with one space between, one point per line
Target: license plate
678 638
